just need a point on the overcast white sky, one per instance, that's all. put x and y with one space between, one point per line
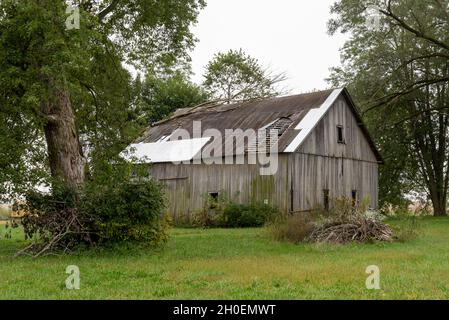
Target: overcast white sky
287 35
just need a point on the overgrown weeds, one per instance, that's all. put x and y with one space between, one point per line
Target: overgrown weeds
224 212
345 222
292 228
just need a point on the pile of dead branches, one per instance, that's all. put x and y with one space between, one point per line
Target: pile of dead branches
58 232
54 223
353 228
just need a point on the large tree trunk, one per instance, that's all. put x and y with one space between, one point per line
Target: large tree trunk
439 201
64 149
431 146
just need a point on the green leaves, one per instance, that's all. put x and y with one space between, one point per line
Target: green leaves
237 76
399 76
158 97
39 54
151 32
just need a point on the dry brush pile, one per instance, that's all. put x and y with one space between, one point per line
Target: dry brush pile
348 222
344 223
116 209
357 228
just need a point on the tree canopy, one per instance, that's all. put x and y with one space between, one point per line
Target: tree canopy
236 76
398 73
65 97
158 97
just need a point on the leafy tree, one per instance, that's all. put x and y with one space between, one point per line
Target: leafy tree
64 94
399 74
236 76
158 97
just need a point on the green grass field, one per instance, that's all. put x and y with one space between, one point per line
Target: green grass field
236 264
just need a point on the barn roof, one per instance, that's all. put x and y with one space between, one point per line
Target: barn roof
297 115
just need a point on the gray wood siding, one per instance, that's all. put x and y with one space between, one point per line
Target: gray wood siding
311 175
320 163
297 186
323 139
188 184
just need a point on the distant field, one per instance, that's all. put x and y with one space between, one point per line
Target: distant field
236 264
5 214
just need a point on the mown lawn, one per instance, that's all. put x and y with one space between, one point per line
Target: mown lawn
236 264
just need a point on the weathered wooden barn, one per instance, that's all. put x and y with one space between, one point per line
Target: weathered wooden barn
323 151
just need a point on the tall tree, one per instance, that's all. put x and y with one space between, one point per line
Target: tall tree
160 96
60 86
236 76
398 72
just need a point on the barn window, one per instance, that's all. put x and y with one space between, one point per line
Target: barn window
340 134
354 197
326 199
213 197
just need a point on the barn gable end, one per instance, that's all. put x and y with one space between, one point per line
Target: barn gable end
336 159
340 119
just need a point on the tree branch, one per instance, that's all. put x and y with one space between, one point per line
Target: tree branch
419 113
419 34
409 89
108 9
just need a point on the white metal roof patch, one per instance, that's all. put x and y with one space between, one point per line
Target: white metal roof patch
310 121
166 151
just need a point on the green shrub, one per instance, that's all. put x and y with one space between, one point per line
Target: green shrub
246 215
204 218
114 207
293 228
208 216
182 221
223 212
128 211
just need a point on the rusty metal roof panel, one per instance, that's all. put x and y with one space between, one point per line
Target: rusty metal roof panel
301 109
247 115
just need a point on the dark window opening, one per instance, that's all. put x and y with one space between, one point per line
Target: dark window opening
340 134
354 197
326 199
213 197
